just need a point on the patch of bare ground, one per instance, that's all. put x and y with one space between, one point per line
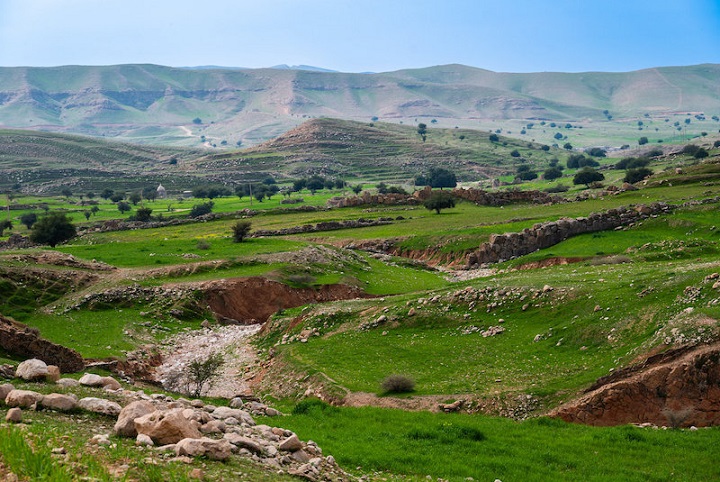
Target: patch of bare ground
230 341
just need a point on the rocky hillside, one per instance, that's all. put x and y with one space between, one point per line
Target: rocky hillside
151 103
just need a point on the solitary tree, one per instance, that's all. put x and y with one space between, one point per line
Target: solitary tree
240 230
123 207
552 173
422 130
202 373
5 224
28 219
52 229
587 175
636 175
439 201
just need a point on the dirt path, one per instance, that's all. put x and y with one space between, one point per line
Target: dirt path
230 341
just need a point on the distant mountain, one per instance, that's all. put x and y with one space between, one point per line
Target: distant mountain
222 106
301 67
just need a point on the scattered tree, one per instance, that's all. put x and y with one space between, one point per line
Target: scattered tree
439 201
596 152
422 130
567 146
87 215
636 175
493 138
552 173
135 198
143 214
357 188
642 141
28 219
201 209
437 177
197 120
587 175
52 229
240 230
106 193
5 224
123 207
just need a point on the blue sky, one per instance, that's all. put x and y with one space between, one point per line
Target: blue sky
363 35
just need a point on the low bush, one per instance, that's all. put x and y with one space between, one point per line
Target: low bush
398 384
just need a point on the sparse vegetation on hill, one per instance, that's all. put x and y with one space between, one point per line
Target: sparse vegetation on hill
350 295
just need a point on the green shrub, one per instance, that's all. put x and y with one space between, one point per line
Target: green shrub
398 384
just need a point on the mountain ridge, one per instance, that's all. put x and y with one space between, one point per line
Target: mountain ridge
149 103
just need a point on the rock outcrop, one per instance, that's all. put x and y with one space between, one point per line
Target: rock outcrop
680 388
20 340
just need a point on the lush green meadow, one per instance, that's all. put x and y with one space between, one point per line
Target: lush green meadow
399 445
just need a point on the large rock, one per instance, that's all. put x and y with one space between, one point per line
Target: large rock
291 444
14 415
22 398
32 370
100 405
91 380
5 388
242 442
167 427
109 383
125 426
223 413
210 448
53 374
60 402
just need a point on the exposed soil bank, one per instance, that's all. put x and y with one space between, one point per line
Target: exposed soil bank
254 300
680 388
20 340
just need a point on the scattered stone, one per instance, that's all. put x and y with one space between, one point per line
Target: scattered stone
452 407
125 425
22 398
91 380
32 370
100 406
291 444
53 374
213 426
109 383
166 427
197 474
223 413
144 440
14 415
60 402
210 448
67 382
242 442
101 439
5 388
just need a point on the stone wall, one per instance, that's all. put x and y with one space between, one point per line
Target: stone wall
503 247
20 340
501 198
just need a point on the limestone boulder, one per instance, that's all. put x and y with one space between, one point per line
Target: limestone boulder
100 406
210 448
67 382
5 388
60 402
22 398
91 380
14 415
32 370
223 413
109 383
125 426
167 427
53 374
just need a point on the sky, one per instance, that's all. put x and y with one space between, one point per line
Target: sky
363 35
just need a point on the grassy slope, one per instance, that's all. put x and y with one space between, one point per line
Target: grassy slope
670 253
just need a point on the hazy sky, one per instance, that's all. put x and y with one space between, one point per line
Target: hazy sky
363 35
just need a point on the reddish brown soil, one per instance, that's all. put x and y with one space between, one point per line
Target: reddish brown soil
677 388
254 300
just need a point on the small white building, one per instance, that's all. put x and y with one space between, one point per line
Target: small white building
161 192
